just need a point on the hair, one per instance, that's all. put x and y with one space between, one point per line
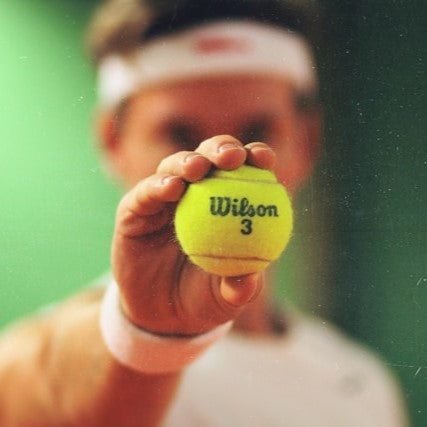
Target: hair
119 26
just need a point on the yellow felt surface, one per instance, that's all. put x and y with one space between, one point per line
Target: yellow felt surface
241 240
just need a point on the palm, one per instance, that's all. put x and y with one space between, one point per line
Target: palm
163 281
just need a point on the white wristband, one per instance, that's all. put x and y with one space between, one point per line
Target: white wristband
146 352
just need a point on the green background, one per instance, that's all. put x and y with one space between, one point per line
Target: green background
359 253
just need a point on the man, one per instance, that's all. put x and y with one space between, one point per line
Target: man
185 87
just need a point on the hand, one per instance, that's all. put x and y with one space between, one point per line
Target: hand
161 290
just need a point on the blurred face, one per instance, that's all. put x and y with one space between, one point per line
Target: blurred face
161 120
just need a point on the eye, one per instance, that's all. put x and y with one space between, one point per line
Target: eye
257 131
183 135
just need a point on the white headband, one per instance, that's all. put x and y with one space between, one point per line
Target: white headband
227 47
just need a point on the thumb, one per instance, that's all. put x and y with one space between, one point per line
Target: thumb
240 290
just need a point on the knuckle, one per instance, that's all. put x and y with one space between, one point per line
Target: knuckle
219 139
164 163
186 156
227 139
257 144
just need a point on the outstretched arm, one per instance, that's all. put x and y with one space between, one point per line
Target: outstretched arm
57 371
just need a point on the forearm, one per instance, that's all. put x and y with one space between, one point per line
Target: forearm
57 371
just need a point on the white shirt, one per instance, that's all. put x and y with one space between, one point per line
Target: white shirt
311 377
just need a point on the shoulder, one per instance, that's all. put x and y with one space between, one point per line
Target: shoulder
328 344
358 370
30 328
313 374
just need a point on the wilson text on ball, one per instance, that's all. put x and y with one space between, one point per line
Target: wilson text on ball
224 206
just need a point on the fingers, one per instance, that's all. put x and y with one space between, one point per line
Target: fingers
151 194
142 210
150 197
260 155
188 165
224 151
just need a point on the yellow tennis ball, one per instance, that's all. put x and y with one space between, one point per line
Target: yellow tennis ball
234 222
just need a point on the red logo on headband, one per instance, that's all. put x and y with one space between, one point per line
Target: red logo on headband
217 44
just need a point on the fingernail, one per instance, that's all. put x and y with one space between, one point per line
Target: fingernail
166 180
259 148
190 156
227 146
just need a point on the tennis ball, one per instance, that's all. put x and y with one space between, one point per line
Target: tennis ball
234 222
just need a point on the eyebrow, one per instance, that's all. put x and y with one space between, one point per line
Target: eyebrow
261 117
174 119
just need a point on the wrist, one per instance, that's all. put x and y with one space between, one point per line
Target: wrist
145 351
